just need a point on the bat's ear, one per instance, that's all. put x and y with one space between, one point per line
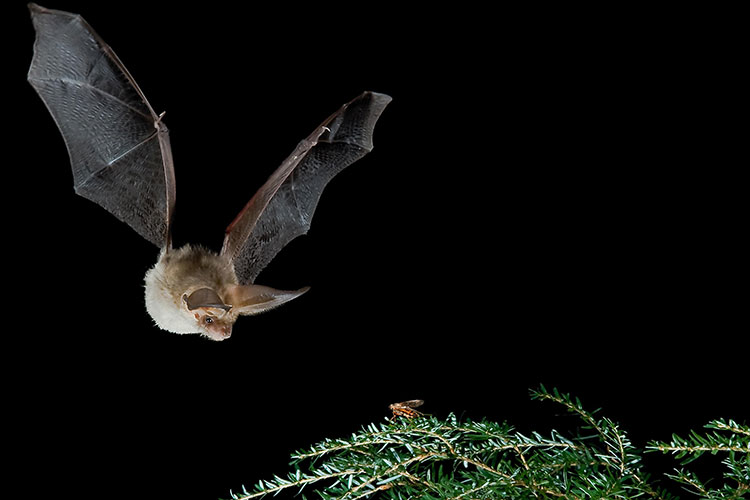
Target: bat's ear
254 299
204 297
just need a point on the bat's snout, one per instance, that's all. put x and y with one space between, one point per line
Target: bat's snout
219 330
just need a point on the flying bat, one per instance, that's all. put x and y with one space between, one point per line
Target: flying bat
122 160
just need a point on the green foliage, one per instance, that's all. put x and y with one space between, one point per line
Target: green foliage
727 437
429 458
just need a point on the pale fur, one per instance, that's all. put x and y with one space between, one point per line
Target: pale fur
179 272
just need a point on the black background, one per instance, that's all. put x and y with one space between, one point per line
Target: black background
552 198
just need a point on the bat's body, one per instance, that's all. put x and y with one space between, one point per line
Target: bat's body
192 285
121 158
178 274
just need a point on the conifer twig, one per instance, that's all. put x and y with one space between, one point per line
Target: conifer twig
426 458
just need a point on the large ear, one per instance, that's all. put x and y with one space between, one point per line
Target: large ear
204 297
254 299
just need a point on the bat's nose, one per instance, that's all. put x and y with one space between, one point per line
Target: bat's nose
225 331
220 331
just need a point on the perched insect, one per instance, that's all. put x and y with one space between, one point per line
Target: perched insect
406 408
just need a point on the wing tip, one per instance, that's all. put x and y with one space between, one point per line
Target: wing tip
37 9
378 99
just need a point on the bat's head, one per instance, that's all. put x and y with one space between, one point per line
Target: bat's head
214 313
191 290
213 318
216 325
188 312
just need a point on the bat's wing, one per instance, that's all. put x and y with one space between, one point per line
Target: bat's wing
283 207
119 148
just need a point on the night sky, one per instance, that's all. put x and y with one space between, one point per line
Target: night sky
547 202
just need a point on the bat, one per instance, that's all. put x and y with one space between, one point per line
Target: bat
121 159
406 408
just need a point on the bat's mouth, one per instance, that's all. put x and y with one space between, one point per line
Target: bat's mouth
219 331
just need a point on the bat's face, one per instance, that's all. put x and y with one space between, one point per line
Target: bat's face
213 317
178 313
214 323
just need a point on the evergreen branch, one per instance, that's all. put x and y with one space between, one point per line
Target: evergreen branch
615 441
379 477
298 456
280 484
426 458
690 479
566 401
731 426
470 492
696 444
698 450
735 443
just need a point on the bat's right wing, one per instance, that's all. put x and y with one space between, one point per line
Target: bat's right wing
119 148
283 207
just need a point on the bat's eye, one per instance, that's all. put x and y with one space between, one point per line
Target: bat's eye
208 320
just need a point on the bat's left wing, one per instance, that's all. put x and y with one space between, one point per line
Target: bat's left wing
118 146
283 207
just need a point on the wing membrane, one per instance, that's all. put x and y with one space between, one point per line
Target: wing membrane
283 207
119 148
